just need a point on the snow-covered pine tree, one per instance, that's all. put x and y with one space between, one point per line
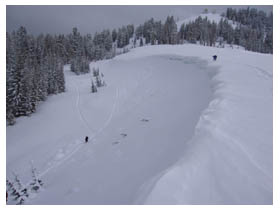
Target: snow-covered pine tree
85 65
139 31
22 106
42 77
74 42
93 87
122 37
107 41
88 45
36 183
9 188
11 83
60 76
114 35
182 33
76 51
158 27
212 33
98 81
51 65
268 41
95 72
33 69
141 42
73 66
130 30
99 44
19 193
170 31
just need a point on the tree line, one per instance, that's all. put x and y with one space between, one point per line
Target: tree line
156 32
255 29
33 72
249 28
34 65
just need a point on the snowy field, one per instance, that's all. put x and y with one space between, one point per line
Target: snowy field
171 127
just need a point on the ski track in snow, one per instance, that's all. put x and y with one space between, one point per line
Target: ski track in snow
265 75
245 152
83 120
110 116
262 72
60 156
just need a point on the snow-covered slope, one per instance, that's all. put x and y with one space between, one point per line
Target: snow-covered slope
229 159
161 104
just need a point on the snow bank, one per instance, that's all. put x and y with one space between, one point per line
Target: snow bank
229 159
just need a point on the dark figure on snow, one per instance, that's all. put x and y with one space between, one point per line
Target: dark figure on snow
215 57
86 139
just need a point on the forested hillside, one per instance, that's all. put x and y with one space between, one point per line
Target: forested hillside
35 63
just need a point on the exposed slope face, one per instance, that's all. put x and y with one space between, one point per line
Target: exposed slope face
229 159
138 126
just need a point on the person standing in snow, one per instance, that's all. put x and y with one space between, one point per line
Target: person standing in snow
86 139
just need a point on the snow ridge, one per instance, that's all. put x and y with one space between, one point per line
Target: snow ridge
223 163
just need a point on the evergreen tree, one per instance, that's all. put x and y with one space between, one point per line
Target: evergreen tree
123 37
212 34
36 183
182 32
130 30
98 81
95 72
108 41
158 28
60 76
93 87
141 42
11 84
170 30
114 35
18 192
139 31
22 107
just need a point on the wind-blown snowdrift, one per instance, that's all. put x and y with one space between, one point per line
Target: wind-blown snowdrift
229 159
144 121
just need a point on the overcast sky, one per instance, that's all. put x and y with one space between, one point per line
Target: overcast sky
89 19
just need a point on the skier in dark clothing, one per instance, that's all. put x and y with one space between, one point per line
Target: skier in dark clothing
215 57
86 139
